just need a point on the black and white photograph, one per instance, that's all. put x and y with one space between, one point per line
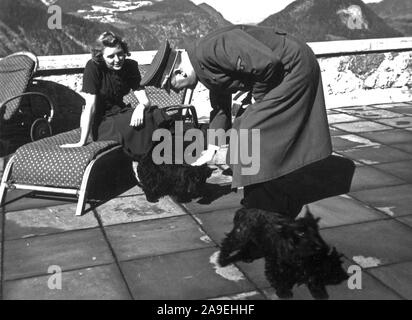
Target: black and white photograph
206 155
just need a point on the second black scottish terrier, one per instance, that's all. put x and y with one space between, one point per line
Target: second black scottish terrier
183 181
294 251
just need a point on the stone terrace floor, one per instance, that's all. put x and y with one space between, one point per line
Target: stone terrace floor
127 248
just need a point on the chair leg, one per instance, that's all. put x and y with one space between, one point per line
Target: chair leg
4 179
81 202
82 193
83 189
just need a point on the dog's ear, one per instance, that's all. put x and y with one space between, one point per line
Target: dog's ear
240 215
310 218
336 254
207 171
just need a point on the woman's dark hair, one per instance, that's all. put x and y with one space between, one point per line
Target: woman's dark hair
107 39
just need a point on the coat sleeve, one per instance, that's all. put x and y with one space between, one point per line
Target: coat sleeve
243 56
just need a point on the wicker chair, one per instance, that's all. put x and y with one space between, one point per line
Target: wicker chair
17 110
46 167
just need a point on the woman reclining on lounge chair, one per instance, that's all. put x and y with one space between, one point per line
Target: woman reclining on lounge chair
107 78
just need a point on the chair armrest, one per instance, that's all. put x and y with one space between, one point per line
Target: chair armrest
186 106
50 118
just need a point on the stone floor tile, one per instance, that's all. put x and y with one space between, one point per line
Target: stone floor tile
219 197
341 210
331 111
96 283
407 147
393 105
394 201
373 113
361 126
402 122
370 178
382 105
149 238
401 169
20 224
252 295
69 250
217 223
17 200
137 208
372 244
376 155
1 261
396 276
354 110
372 289
341 117
2 214
336 132
389 137
135 191
351 141
407 109
407 220
341 154
187 275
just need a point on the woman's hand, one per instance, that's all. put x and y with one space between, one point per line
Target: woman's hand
137 116
72 145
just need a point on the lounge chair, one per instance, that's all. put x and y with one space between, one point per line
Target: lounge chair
19 117
46 167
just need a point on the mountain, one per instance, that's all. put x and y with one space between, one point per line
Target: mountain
23 26
144 24
320 20
396 13
214 13
180 21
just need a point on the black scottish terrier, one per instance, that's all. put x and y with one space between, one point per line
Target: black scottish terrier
294 251
182 181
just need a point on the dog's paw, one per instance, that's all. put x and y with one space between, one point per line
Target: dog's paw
223 260
317 291
152 198
284 293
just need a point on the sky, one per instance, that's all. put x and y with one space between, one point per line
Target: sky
250 11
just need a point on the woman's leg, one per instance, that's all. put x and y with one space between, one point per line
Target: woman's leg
137 141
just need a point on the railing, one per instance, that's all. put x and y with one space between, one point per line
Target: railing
66 65
364 46
72 64
69 64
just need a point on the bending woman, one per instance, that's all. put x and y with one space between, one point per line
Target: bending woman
107 78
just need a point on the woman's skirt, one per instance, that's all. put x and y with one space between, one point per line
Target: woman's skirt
136 141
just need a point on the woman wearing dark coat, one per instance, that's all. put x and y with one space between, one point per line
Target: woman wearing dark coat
284 78
107 78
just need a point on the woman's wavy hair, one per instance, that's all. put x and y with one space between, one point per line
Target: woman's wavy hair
107 39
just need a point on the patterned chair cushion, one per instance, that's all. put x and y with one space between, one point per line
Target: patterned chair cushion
44 163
